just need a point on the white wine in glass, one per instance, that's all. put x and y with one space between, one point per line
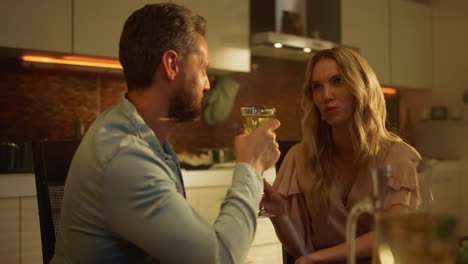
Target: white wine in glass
251 122
252 118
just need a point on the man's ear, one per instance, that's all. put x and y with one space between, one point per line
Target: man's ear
170 64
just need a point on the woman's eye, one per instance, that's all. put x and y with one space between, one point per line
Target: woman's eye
337 80
315 86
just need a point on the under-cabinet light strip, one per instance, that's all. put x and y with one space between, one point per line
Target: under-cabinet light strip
389 90
75 60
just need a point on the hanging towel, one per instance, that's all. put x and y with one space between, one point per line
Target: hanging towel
217 103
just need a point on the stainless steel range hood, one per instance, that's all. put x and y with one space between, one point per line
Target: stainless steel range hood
293 47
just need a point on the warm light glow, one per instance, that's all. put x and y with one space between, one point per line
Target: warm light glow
385 254
307 50
389 91
278 45
75 60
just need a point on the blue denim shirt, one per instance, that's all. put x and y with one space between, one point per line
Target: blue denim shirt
124 202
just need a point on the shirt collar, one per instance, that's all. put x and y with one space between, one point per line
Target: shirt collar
143 130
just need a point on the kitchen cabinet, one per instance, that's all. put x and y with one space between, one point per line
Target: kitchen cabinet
228 33
394 36
97 29
30 234
20 235
206 190
37 25
265 254
265 248
366 24
98 25
9 230
19 231
411 47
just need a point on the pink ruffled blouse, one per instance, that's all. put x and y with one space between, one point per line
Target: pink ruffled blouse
402 188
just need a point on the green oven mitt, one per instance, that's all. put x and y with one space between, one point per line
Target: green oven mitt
217 103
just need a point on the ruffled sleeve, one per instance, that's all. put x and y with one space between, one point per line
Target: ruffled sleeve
402 185
286 179
286 183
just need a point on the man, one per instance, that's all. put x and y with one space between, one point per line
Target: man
124 196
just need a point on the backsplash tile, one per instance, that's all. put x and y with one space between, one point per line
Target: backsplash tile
40 103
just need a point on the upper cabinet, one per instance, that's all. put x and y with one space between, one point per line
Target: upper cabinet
366 24
411 46
89 27
227 32
37 25
394 36
97 29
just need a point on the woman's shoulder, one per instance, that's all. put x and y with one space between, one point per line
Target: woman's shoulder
286 181
297 153
402 151
296 149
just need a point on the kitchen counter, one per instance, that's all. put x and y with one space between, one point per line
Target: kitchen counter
23 184
17 184
218 175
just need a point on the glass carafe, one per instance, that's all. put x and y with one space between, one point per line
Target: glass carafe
417 236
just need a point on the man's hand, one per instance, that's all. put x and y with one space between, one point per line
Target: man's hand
260 148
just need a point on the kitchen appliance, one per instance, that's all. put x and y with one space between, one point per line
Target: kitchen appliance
16 157
293 47
293 30
8 152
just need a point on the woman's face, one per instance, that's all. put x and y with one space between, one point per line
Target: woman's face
331 95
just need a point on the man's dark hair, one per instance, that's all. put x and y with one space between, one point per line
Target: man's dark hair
149 32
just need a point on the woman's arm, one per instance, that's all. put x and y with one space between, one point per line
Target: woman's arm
275 203
289 239
364 246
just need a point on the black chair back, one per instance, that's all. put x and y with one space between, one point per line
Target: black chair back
51 162
284 147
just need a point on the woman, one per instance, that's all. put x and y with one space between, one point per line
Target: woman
322 177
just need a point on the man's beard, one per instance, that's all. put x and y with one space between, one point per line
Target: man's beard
184 106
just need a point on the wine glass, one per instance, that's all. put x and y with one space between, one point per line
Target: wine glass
253 117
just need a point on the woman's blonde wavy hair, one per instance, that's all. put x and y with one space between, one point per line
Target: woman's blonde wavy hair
367 128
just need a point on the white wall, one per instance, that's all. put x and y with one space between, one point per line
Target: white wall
445 139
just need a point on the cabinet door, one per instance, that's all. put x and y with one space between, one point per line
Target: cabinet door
265 254
265 233
9 231
411 46
227 32
97 29
98 25
31 249
365 24
265 248
37 25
